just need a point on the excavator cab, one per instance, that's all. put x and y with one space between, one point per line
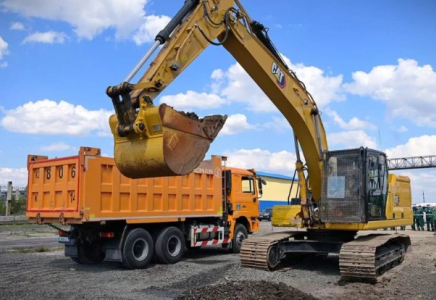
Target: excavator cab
355 184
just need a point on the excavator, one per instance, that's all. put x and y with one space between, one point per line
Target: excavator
341 192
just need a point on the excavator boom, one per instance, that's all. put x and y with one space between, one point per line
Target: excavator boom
146 145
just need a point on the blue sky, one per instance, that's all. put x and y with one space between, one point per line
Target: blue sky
368 64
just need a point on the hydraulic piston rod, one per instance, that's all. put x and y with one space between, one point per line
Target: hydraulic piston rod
163 35
142 61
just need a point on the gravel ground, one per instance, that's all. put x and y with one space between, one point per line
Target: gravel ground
205 274
246 290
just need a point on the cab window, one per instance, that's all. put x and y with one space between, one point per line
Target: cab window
247 184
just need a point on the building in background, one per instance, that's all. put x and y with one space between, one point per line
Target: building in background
276 190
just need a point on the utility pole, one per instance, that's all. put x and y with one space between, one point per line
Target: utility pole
423 197
8 198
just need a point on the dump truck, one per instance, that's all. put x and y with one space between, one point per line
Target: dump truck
135 221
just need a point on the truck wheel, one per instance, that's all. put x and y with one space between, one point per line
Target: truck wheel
170 245
239 236
89 254
138 249
76 260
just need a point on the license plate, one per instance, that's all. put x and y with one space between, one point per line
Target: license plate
64 239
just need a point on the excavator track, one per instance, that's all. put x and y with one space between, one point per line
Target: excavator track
262 252
368 257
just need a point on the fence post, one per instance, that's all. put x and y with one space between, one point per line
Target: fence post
8 198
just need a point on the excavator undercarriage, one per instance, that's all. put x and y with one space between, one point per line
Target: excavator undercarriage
364 258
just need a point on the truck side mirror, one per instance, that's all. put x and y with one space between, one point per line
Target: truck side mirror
260 182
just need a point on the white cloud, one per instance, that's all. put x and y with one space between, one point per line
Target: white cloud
3 47
150 28
402 129
324 89
420 182
191 100
416 146
17 176
408 90
3 65
351 139
49 37
17 26
281 162
90 18
59 146
236 85
278 124
235 124
354 123
49 117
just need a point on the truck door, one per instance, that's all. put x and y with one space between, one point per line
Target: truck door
248 202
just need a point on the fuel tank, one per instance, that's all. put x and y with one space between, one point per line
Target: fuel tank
170 142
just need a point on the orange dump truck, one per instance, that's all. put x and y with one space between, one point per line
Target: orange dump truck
115 218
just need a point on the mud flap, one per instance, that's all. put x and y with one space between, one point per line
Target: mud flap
171 143
72 248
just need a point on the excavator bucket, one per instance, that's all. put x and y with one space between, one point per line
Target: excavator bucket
173 143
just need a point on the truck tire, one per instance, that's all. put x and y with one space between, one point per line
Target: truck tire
76 260
138 249
170 245
239 236
89 254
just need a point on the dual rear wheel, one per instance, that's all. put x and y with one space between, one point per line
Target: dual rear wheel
139 247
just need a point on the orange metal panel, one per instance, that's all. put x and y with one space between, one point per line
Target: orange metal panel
91 188
53 186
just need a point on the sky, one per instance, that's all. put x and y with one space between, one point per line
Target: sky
370 66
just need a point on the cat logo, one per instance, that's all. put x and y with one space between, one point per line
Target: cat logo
279 75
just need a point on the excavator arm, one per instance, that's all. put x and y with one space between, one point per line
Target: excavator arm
159 141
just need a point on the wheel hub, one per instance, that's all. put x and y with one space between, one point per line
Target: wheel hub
174 246
140 249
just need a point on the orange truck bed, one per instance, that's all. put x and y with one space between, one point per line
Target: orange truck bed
89 188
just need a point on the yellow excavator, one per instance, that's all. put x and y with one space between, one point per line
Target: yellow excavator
348 191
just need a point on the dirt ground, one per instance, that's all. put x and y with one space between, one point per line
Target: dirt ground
244 290
210 273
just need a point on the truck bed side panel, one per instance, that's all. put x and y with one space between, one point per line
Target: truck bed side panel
105 194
